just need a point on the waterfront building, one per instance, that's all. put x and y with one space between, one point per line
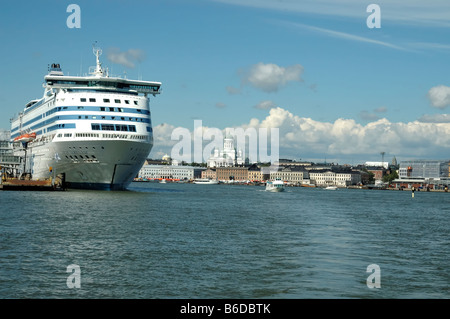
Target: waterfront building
290 174
424 169
426 174
378 172
232 173
176 172
365 177
209 173
334 178
226 157
257 174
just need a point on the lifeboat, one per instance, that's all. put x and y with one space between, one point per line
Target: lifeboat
26 137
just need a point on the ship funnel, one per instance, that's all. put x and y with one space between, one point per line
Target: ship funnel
55 69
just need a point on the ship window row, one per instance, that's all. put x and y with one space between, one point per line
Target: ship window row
123 136
86 135
113 135
61 126
105 135
111 109
85 117
117 101
75 157
65 135
76 108
70 117
131 119
118 85
138 137
93 109
113 127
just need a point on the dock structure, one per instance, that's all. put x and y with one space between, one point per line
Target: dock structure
10 164
14 184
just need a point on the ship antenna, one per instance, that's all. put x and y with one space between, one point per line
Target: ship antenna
97 52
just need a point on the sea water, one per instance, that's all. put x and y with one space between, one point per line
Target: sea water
224 241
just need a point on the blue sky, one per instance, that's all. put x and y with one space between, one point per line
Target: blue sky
335 88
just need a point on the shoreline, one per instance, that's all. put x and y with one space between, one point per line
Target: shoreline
303 185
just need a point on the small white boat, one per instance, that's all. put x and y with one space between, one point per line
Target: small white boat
331 188
163 181
206 181
275 186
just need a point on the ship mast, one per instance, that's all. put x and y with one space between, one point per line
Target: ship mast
98 68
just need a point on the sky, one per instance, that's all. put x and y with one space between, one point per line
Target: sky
336 85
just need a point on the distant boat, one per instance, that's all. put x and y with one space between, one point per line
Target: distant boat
275 186
163 181
206 181
331 188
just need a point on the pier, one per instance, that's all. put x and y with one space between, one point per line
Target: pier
51 184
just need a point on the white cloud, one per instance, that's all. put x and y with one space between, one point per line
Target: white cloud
265 105
126 58
305 138
345 137
270 77
439 96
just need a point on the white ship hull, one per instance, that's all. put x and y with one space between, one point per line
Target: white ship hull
102 164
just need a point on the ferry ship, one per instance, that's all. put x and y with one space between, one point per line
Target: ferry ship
94 129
